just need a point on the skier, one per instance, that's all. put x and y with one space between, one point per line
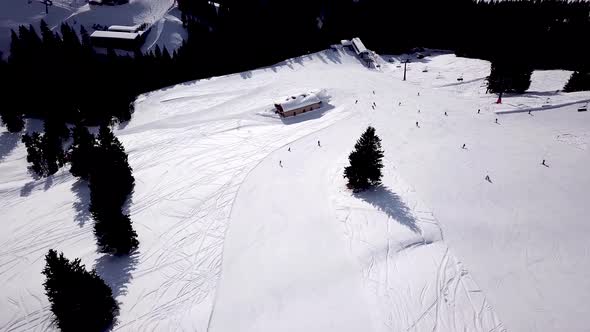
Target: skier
417 124
281 163
418 111
289 149
373 91
496 120
357 101
418 94
446 114
319 144
543 163
463 146
478 111
488 178
530 113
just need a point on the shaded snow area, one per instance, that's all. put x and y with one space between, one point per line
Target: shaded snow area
245 222
162 15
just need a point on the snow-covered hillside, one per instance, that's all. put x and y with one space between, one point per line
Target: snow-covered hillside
166 30
239 233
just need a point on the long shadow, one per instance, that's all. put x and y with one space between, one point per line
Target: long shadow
319 55
542 93
82 205
8 141
28 188
389 202
116 271
334 56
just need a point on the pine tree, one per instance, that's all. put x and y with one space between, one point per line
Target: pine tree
80 300
33 143
82 152
13 121
508 75
44 152
111 183
579 81
365 162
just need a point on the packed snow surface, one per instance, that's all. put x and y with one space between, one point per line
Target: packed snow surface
246 224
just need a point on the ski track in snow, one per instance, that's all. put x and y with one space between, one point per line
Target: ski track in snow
210 197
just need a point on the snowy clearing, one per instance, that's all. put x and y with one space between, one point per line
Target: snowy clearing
230 240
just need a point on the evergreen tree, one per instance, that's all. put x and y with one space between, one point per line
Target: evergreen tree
114 232
365 162
82 152
111 183
13 121
33 143
45 152
509 76
80 300
579 81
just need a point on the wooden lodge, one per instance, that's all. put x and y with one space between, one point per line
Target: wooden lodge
291 106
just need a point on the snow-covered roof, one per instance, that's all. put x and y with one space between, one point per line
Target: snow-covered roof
358 45
115 35
299 101
125 28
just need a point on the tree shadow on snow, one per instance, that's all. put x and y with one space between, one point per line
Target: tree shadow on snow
246 74
82 192
116 271
8 142
47 183
391 204
333 56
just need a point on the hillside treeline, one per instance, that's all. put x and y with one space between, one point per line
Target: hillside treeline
58 74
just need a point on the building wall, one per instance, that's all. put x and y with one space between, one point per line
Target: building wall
302 110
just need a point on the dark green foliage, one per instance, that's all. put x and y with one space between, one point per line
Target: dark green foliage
34 145
365 162
509 76
579 81
80 300
13 121
114 232
59 76
111 183
102 88
44 153
82 152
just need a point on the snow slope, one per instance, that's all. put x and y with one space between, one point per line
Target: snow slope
230 240
162 14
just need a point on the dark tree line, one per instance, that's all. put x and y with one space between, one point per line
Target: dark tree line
244 34
509 76
103 162
59 74
579 81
